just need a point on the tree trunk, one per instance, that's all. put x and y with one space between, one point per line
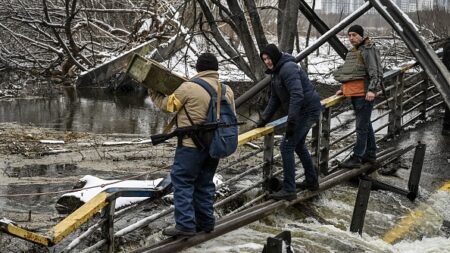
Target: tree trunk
288 25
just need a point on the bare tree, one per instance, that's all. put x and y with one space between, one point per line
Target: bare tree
243 18
53 36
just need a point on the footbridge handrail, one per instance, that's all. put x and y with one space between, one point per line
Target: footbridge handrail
403 89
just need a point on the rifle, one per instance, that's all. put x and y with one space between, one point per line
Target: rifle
192 131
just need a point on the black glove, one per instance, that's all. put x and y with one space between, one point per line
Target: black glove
261 123
290 129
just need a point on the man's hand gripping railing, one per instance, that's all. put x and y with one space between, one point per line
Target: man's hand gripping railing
191 131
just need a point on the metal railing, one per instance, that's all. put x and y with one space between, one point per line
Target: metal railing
410 98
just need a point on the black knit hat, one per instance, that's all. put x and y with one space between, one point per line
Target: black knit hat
273 52
207 61
356 29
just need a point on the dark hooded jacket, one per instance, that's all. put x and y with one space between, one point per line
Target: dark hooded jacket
290 89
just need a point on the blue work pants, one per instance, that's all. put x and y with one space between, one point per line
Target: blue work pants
192 178
365 145
296 143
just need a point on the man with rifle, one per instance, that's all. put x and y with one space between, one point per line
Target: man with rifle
193 168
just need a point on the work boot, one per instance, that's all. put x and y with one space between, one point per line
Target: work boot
305 185
369 159
353 162
201 229
283 195
173 231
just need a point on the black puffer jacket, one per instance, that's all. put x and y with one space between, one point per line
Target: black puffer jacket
290 89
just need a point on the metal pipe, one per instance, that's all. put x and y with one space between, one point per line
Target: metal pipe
322 39
333 31
411 98
322 28
413 86
350 133
382 115
242 191
380 127
423 52
240 159
435 105
412 108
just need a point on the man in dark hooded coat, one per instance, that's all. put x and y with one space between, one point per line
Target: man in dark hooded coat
293 92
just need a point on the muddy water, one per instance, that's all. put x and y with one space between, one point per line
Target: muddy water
86 110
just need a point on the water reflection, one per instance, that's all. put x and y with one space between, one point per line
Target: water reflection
95 110
91 110
35 203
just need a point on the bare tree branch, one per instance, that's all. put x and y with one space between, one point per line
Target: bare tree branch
58 37
218 36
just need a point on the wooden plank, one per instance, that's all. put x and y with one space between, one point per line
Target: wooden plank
153 75
77 218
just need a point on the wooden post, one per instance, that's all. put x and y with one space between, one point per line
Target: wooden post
395 117
398 122
416 171
268 160
324 144
315 142
279 244
359 211
108 226
423 107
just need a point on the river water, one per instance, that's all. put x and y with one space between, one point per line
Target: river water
86 110
326 230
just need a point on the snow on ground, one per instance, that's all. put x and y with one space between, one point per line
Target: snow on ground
95 185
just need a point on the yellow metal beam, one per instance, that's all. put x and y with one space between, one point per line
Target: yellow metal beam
77 218
408 222
332 101
403 227
27 235
408 67
445 187
254 134
261 131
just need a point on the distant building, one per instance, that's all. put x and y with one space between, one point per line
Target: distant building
442 3
349 6
340 6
